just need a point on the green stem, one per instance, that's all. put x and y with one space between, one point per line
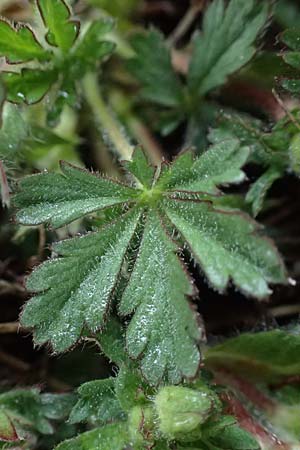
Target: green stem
104 118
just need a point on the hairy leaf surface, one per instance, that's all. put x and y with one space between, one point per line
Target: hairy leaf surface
97 403
226 247
61 198
220 165
163 331
136 255
110 437
74 290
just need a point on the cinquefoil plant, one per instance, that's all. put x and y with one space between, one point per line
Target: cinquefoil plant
128 282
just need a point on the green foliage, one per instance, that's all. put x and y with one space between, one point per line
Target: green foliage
153 67
277 151
20 44
97 403
265 356
129 283
62 32
25 412
225 44
234 437
185 414
114 436
67 288
63 68
59 199
291 38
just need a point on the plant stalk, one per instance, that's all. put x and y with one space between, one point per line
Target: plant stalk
104 118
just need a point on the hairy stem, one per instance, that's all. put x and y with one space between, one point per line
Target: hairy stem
104 118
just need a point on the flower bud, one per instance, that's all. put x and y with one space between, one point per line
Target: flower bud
181 410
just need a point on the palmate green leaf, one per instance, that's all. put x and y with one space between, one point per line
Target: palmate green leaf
270 356
29 85
134 253
74 290
62 32
61 198
153 68
226 42
162 332
110 437
97 403
20 44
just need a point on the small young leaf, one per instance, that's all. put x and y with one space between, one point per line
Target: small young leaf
62 32
28 86
92 48
20 44
163 331
74 290
129 388
153 68
291 38
235 438
110 437
226 43
220 165
140 168
97 403
61 198
226 247
57 406
269 356
258 191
